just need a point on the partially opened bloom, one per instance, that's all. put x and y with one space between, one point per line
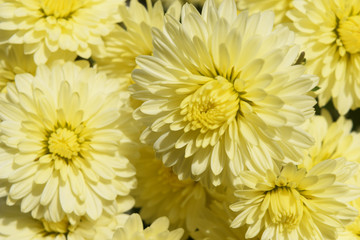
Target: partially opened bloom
331 140
132 39
66 134
221 93
158 230
291 203
329 31
47 26
17 225
159 193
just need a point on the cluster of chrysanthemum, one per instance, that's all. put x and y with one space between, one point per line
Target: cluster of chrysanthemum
195 118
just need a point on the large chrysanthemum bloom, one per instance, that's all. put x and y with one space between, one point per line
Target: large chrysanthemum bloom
291 203
13 61
329 32
159 193
158 230
47 26
66 137
17 225
132 39
280 7
221 93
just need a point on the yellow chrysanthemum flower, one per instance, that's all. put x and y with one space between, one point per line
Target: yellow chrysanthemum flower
291 203
158 230
47 26
221 93
66 136
21 226
159 193
280 7
132 39
329 31
332 140
13 61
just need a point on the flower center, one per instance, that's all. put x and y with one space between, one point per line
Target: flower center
60 8
349 32
286 208
64 143
213 105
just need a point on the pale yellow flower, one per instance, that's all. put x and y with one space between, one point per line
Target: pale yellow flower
221 93
329 31
21 226
158 230
132 39
291 203
66 134
280 7
47 26
13 61
159 193
332 140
